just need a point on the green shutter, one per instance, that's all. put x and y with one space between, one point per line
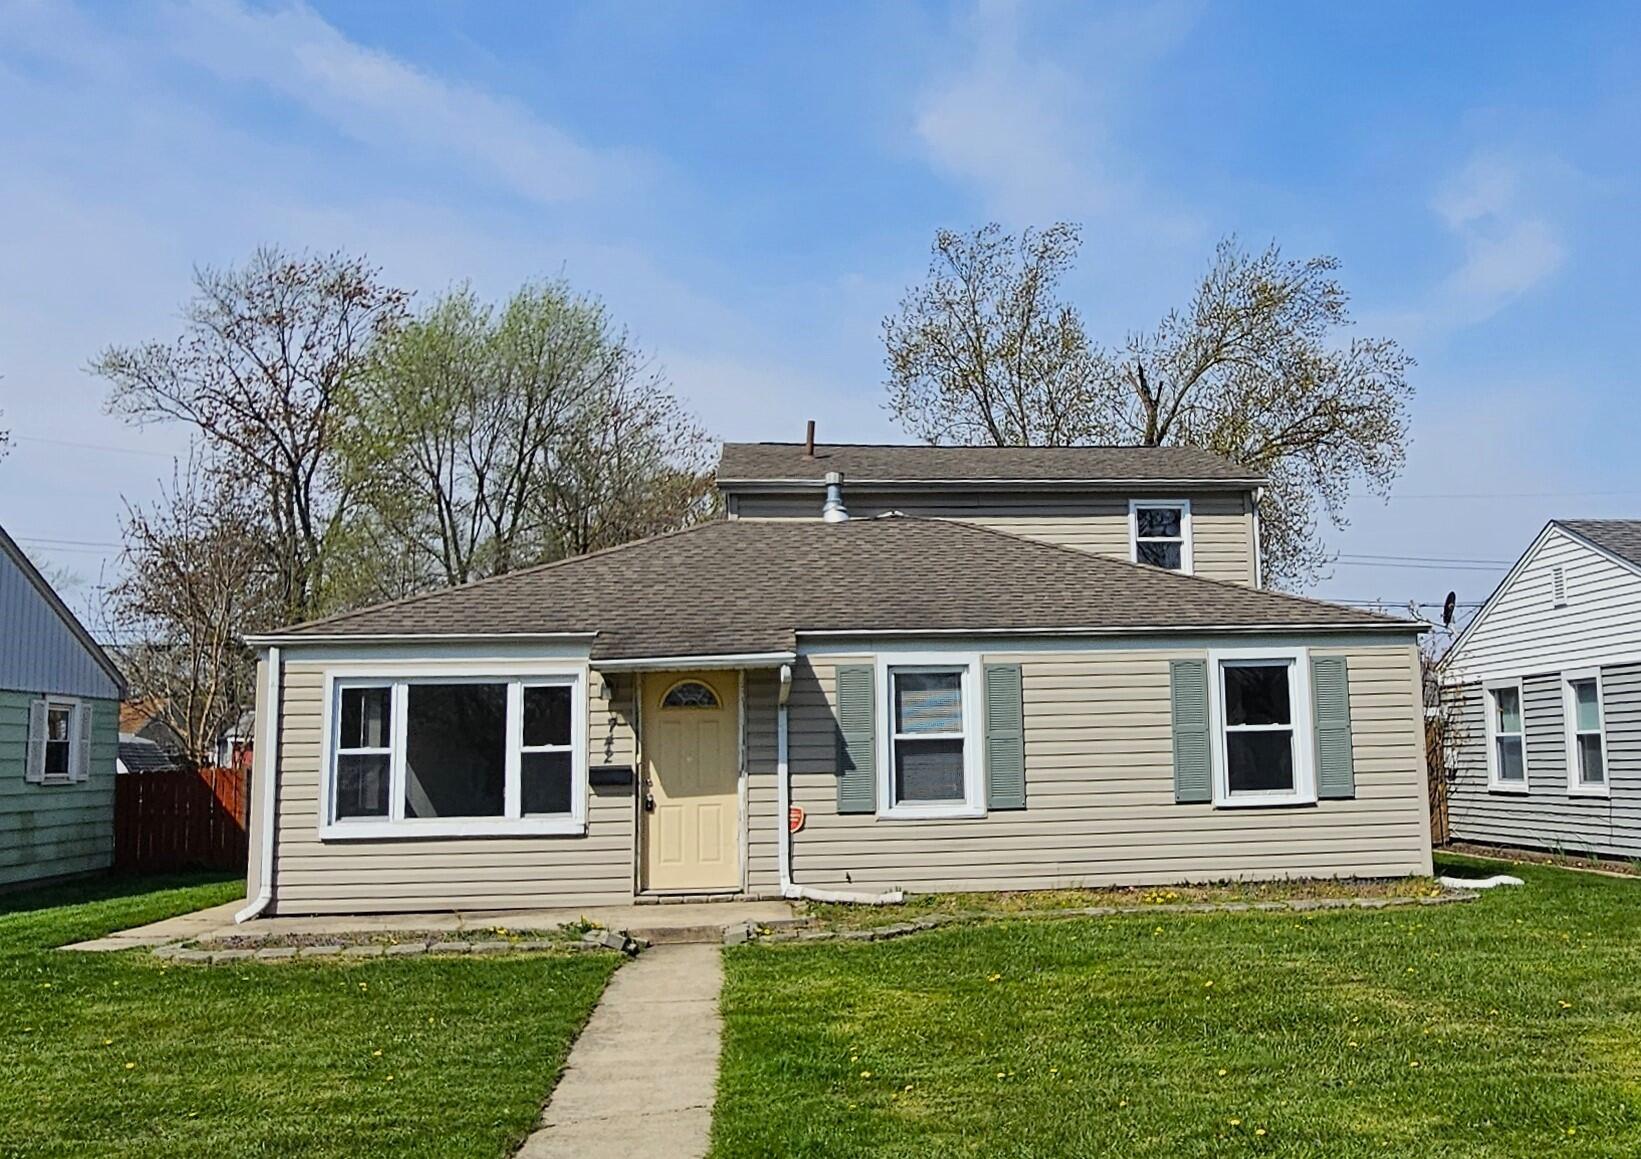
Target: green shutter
857 740
1330 698
1005 738
1193 767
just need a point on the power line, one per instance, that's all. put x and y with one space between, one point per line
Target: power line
1423 558
1418 566
95 446
1509 495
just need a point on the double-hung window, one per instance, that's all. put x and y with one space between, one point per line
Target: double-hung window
456 756
1159 532
1506 740
931 758
1586 738
1261 709
59 749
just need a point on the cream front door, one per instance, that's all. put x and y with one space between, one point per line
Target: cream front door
691 782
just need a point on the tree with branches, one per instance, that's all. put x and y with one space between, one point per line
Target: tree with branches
1254 368
269 354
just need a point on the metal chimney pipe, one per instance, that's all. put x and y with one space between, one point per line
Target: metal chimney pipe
809 441
833 510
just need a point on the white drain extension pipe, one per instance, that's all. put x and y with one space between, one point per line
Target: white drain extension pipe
783 842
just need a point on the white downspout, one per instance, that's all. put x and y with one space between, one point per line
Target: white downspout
783 843
268 748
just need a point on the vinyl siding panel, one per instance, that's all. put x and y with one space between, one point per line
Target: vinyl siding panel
1523 632
1221 522
38 651
1100 791
1547 816
54 830
472 873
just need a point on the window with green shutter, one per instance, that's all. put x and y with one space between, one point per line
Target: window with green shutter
857 739
1330 698
1005 738
1193 762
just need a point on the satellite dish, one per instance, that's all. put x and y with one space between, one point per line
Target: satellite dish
1448 605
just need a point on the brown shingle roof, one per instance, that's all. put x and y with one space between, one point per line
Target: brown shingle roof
743 463
750 586
1622 537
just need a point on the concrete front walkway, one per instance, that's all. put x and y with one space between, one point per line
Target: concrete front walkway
642 1077
178 929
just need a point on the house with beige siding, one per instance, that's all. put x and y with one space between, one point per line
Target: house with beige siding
1541 695
886 669
59 727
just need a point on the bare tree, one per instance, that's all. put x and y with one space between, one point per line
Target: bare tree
268 355
196 579
483 441
1253 369
984 352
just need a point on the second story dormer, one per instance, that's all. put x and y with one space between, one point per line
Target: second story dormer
1179 508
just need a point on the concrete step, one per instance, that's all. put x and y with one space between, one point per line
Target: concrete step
669 935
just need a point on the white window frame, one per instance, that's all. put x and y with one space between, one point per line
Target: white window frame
1183 506
1297 662
1490 716
513 822
1576 786
75 707
973 804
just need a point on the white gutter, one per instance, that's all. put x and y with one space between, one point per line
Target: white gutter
268 746
783 838
406 637
710 661
1380 625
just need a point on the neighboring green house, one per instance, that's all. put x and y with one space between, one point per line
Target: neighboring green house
59 731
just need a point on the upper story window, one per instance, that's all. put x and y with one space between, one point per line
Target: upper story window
1586 738
1159 532
455 756
1506 739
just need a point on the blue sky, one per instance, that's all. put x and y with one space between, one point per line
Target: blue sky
752 188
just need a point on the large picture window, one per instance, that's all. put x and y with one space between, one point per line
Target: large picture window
438 756
1262 709
930 755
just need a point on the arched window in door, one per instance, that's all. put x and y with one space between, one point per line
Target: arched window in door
690 694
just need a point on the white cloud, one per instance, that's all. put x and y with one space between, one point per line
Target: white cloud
1032 127
1508 249
384 102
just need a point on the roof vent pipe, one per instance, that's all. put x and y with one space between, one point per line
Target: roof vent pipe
833 510
809 440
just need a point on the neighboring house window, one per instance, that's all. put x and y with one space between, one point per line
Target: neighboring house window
931 758
59 751
1506 742
1262 714
1160 533
1586 739
456 756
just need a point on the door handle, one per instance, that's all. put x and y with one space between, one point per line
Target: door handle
649 803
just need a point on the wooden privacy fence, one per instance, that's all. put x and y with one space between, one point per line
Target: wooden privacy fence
1435 752
182 819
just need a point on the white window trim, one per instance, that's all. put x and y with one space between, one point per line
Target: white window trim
75 707
974 796
1299 701
513 823
1569 709
1186 563
1490 716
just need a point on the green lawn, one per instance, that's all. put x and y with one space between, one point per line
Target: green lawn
122 1054
1505 1026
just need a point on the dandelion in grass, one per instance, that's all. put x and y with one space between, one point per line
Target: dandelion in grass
130 1066
1223 1072
1259 1130
375 1054
1235 1122
994 977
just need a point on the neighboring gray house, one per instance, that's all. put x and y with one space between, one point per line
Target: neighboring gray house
1542 697
815 697
59 727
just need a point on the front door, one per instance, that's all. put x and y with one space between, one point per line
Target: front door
691 780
